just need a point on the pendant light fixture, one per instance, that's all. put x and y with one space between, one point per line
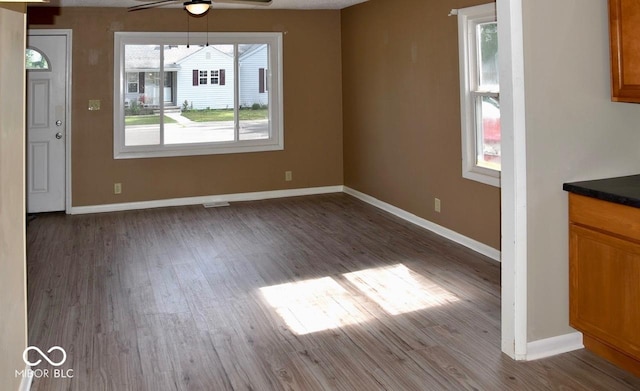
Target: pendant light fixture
197 7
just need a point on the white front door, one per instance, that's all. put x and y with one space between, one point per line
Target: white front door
46 122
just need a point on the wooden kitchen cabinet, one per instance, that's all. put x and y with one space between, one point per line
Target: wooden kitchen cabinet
604 272
624 31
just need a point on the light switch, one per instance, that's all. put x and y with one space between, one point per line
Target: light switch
94 105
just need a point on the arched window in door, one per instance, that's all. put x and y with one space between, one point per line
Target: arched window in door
35 60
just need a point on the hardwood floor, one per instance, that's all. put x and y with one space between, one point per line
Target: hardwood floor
309 293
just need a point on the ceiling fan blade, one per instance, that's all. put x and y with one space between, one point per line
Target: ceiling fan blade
152 4
160 3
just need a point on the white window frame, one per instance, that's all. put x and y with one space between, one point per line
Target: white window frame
203 76
215 77
274 80
468 19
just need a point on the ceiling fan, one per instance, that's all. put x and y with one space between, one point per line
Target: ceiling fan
194 7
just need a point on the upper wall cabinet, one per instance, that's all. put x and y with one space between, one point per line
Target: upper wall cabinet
624 29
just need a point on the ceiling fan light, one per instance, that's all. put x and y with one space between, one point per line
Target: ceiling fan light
197 7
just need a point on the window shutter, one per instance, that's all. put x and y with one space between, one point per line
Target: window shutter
261 80
196 77
141 82
222 79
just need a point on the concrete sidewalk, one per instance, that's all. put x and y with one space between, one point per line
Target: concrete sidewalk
179 118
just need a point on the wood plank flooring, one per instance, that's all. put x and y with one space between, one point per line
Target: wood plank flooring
309 293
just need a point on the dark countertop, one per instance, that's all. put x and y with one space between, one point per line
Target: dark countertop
622 190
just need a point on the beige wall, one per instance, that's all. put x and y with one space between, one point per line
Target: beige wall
402 114
574 132
13 277
312 107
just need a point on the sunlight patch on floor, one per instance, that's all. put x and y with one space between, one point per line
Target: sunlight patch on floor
322 304
314 305
398 289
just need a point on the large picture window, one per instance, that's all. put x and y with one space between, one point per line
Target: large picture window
480 93
174 99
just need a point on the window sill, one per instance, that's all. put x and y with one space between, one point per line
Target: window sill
182 150
483 175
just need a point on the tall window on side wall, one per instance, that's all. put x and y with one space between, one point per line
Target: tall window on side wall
171 99
479 93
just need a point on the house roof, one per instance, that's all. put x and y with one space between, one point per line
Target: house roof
226 50
145 57
250 50
148 56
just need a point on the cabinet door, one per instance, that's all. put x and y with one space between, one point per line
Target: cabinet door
624 30
604 288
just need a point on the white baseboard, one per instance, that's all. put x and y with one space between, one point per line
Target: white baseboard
438 229
25 384
238 197
264 195
553 346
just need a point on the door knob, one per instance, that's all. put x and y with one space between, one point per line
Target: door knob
58 135
58 123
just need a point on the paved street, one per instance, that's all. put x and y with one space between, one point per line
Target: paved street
196 132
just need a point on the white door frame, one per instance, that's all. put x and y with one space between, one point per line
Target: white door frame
513 179
67 33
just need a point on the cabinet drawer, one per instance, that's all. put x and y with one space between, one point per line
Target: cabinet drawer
618 219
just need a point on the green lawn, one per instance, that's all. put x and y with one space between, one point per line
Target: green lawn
147 120
224 115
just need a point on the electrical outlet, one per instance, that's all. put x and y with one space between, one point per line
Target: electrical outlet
288 176
436 205
117 188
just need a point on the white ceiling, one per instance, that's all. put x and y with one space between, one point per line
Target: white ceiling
276 4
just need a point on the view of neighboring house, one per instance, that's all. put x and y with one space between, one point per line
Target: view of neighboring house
253 76
201 76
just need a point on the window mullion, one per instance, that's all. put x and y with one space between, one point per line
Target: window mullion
475 94
161 87
236 92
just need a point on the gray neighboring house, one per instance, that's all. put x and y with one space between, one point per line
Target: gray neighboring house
200 75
